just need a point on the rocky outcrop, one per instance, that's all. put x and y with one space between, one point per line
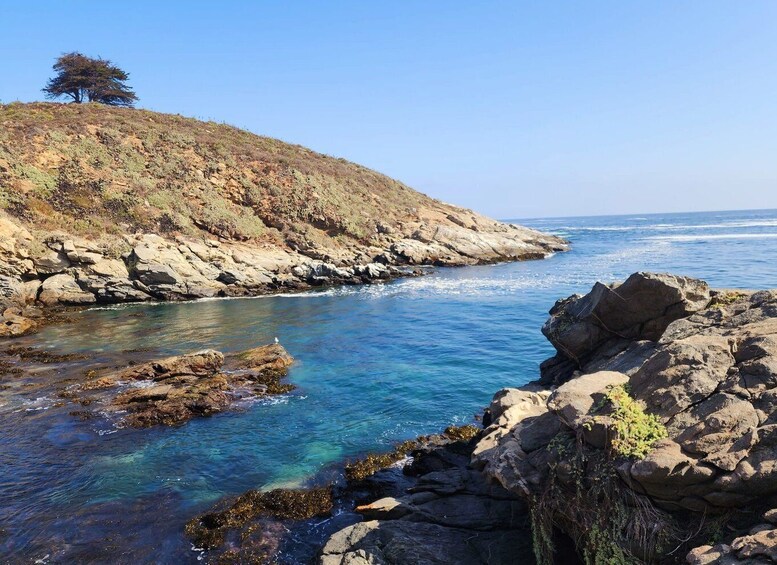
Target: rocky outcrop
59 269
173 390
663 414
598 327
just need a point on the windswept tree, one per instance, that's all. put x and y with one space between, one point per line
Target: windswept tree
90 80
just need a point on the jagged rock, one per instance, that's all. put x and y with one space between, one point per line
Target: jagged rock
638 309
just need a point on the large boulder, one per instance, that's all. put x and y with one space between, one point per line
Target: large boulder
63 289
615 316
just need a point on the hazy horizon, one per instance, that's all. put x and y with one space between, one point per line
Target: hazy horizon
700 212
515 110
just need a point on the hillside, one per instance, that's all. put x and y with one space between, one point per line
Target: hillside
91 179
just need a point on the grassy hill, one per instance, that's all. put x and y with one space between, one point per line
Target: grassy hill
102 204
93 170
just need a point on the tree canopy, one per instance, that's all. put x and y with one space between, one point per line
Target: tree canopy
85 79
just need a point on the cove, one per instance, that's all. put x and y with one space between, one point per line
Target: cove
375 365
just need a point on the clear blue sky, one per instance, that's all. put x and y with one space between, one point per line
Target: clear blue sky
516 109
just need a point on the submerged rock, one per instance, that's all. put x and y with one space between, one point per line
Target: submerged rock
173 390
211 529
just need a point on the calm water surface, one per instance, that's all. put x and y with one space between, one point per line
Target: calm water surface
375 365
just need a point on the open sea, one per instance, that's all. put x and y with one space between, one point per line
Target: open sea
374 365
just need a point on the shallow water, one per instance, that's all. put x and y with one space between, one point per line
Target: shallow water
375 365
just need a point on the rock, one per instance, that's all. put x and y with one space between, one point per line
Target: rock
701 363
640 308
399 542
52 262
201 364
573 401
666 471
63 289
180 268
156 273
682 373
450 515
111 268
173 390
14 324
270 359
761 545
388 508
9 287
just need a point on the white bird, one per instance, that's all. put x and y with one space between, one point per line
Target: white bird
276 341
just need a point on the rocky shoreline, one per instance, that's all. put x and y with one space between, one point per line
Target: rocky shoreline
50 270
646 439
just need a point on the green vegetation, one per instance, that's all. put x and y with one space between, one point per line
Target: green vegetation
727 298
608 522
84 79
92 169
635 430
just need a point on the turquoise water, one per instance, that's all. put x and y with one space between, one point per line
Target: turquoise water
375 365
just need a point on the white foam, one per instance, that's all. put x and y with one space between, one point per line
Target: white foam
675 227
704 237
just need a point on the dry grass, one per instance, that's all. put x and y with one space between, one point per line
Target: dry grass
95 170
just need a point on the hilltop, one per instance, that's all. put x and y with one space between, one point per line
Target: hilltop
131 204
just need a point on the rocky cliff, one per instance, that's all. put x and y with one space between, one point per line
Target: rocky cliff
647 439
99 204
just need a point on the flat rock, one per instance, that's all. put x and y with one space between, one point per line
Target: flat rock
172 390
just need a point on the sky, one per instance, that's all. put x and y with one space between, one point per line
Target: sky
516 109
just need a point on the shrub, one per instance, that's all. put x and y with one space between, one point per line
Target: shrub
635 430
